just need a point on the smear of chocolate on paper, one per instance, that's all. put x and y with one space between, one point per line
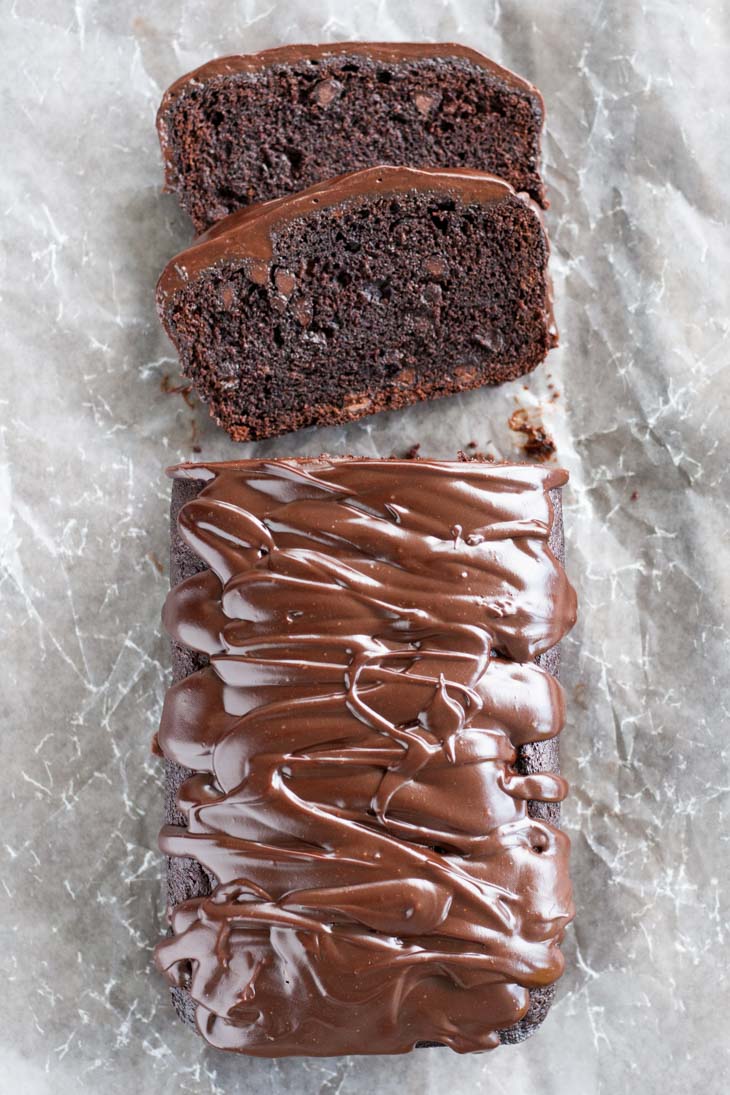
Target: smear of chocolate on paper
177 389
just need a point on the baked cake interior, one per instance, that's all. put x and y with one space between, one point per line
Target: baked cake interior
382 301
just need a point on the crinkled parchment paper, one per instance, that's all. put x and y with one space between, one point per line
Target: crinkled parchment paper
637 399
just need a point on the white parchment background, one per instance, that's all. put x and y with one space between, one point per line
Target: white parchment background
638 161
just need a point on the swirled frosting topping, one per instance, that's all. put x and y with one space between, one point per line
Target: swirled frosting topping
372 628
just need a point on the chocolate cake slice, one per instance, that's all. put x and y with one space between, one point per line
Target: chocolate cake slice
246 129
362 757
362 294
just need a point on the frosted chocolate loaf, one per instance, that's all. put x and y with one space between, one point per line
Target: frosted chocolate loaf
245 129
362 294
362 760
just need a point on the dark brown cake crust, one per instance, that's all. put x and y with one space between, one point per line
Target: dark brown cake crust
366 293
186 878
245 129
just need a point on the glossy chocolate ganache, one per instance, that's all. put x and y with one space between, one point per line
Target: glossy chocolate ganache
381 877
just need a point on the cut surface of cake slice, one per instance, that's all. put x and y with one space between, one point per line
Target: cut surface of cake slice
246 129
361 294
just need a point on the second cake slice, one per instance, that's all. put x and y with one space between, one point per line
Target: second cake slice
361 294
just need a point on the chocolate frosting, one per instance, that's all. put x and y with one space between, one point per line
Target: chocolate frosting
384 52
371 628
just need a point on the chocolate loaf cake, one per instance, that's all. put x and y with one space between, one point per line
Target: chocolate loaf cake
361 747
361 294
241 130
